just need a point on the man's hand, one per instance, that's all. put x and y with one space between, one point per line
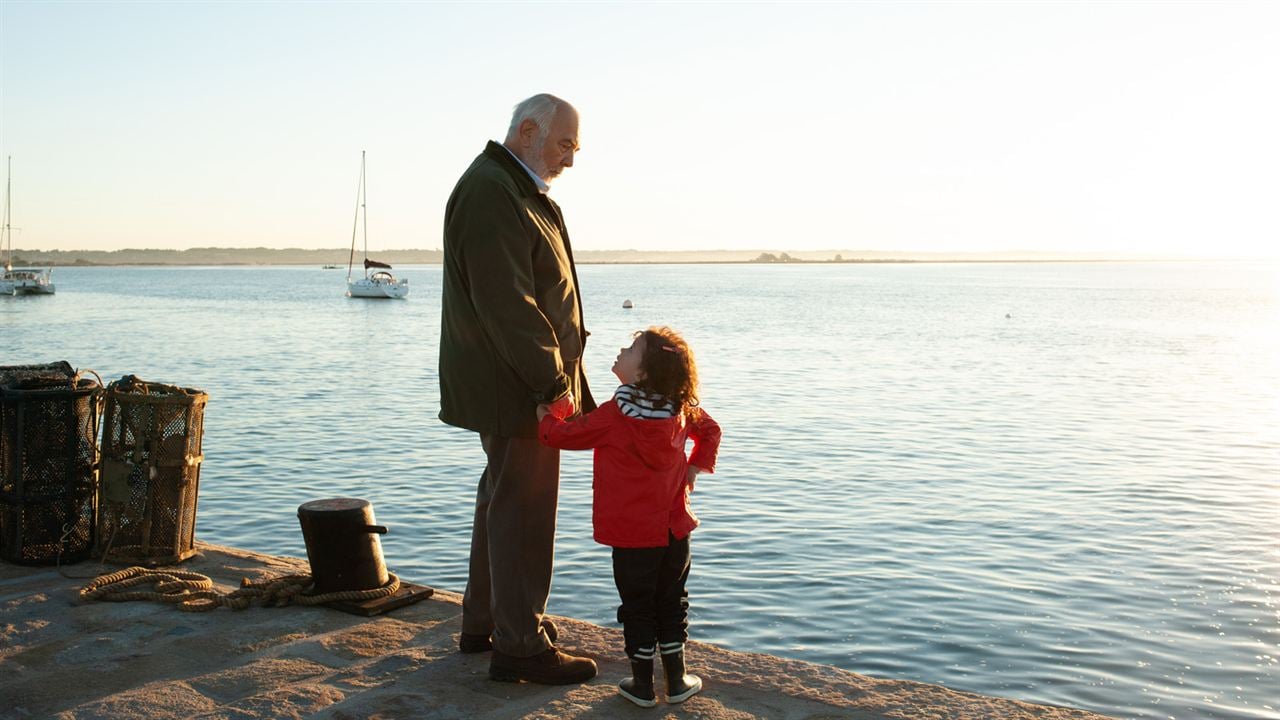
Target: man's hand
560 409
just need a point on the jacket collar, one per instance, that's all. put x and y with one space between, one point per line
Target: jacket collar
508 162
542 186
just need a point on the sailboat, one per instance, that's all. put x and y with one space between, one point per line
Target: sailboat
19 281
380 283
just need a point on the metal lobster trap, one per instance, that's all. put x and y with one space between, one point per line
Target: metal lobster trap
48 463
151 455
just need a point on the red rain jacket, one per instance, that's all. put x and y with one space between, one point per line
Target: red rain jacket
639 489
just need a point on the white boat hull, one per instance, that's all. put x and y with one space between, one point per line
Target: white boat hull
378 287
34 290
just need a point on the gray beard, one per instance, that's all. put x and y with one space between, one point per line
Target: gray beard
537 165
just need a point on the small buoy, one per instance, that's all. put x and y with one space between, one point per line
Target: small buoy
626 305
1008 315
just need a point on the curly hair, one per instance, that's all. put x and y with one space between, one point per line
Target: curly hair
669 369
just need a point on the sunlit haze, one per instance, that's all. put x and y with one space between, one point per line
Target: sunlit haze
1137 127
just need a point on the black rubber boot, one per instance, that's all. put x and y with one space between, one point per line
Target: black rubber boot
680 687
639 687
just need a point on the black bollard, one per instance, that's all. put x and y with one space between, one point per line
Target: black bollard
343 546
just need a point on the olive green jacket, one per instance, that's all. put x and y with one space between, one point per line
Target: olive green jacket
511 332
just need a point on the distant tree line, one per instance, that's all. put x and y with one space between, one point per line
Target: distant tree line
218 256
767 257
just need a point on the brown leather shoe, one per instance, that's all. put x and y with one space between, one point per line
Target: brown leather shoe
550 667
477 643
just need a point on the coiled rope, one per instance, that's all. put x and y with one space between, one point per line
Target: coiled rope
193 592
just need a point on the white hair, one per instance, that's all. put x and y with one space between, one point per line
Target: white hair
541 109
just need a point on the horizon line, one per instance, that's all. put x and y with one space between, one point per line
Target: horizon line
763 251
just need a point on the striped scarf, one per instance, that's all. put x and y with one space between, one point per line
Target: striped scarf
636 403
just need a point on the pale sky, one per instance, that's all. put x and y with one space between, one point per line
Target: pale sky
1134 127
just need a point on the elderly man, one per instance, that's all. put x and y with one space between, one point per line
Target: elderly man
512 337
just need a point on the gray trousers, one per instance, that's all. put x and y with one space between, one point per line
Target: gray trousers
513 544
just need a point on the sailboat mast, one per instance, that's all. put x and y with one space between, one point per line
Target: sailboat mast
364 191
355 223
8 230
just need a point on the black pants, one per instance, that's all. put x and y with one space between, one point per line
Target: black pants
651 583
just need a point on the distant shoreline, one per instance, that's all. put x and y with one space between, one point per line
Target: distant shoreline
327 258
650 262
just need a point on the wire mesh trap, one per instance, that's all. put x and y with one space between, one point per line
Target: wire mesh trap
48 463
151 456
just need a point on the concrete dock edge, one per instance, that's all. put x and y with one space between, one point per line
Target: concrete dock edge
63 658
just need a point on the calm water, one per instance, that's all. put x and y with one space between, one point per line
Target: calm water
1057 483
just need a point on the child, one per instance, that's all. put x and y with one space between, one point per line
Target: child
641 498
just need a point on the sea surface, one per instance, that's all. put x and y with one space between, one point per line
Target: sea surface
1052 482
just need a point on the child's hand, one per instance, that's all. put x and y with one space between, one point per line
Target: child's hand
560 409
691 475
543 411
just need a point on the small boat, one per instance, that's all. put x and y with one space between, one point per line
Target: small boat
26 281
380 283
19 281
